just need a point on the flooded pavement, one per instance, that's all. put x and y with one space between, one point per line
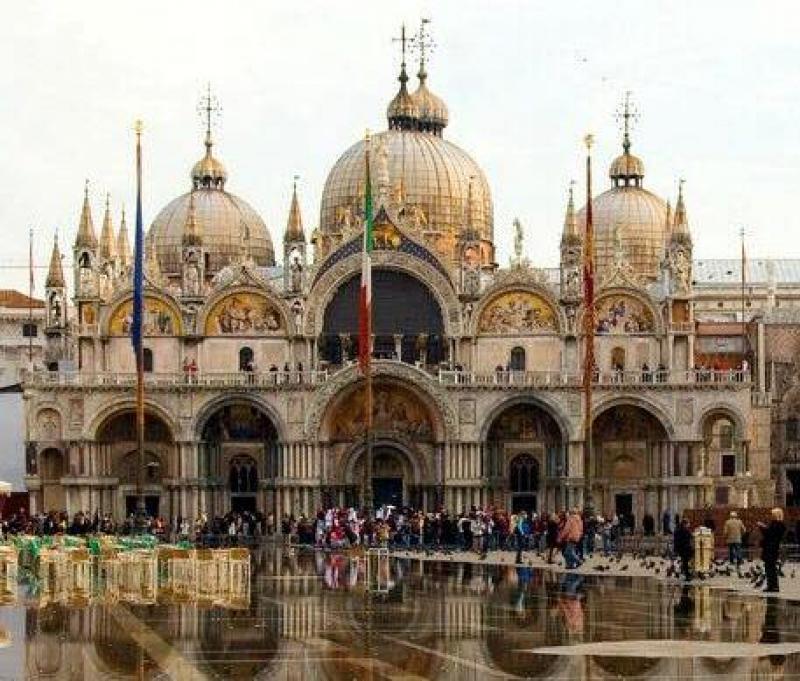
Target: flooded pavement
322 616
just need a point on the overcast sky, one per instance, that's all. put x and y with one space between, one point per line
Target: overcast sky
299 81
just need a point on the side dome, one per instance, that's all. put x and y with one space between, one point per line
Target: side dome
425 172
227 223
631 219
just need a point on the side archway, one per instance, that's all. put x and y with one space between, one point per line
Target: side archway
526 458
116 440
238 445
629 443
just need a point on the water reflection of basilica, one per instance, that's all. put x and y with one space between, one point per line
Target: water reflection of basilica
439 621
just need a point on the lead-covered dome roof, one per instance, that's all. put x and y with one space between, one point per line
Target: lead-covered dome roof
227 225
438 181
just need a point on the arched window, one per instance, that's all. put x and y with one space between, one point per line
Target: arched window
245 359
618 359
147 360
517 359
524 474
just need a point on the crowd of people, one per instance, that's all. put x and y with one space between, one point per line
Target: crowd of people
570 535
230 529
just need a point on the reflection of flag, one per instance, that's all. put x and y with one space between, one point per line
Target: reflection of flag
138 263
365 300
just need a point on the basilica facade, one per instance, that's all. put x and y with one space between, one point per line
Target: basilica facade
254 400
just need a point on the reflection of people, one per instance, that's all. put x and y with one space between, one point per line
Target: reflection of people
682 544
684 609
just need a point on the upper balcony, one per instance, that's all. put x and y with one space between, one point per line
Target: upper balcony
304 380
627 380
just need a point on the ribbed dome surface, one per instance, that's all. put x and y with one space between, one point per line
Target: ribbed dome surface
223 219
435 177
639 217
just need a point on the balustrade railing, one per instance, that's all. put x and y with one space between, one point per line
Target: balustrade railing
655 378
289 379
269 379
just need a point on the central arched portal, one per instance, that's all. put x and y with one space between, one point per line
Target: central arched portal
237 451
405 433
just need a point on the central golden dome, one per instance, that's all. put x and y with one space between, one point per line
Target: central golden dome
437 181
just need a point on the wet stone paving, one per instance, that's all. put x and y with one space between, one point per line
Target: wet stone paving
314 615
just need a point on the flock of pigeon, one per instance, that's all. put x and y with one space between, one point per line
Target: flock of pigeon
662 565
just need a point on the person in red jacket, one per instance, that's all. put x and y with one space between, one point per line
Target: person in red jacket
571 533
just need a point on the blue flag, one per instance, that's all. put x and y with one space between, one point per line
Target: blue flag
138 261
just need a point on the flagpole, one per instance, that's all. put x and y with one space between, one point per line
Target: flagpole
30 298
589 328
141 510
744 280
366 337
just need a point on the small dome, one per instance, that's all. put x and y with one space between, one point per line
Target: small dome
433 113
403 112
633 218
226 222
209 172
626 167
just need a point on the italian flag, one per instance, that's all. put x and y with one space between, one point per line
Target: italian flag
365 299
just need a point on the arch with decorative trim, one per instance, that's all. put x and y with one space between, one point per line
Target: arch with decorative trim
647 314
265 325
328 396
536 291
326 287
164 319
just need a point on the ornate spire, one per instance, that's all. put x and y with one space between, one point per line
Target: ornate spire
55 275
152 267
627 169
192 233
627 116
108 246
433 113
570 233
403 112
86 237
208 172
294 225
123 244
681 223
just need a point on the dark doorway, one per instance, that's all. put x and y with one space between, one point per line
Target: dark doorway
623 506
242 504
523 502
245 359
387 491
517 360
150 504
